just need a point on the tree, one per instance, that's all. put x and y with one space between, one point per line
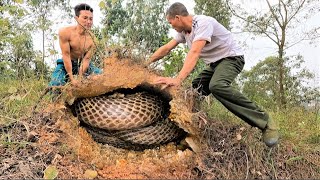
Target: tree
16 45
22 54
277 24
260 83
217 9
9 12
41 11
115 16
137 24
18 50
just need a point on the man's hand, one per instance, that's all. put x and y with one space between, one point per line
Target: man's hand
168 82
75 82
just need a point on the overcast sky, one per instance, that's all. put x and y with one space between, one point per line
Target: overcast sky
256 50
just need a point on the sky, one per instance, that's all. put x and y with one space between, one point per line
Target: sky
255 50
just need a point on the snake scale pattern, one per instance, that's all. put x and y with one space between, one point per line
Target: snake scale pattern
134 121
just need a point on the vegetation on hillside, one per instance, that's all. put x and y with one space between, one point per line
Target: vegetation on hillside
280 84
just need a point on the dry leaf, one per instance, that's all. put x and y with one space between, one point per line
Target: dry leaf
239 137
50 172
90 174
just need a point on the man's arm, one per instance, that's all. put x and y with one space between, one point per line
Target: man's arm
65 48
188 66
162 51
191 59
86 60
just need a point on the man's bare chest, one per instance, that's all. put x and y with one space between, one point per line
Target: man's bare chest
80 44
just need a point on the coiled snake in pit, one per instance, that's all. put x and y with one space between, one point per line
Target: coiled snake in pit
131 121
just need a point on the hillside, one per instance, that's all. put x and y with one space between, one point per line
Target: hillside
40 138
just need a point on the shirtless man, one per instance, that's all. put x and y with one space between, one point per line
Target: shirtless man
77 48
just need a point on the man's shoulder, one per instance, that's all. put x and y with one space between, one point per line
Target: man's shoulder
205 19
67 29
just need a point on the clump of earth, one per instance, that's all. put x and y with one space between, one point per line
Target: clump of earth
172 160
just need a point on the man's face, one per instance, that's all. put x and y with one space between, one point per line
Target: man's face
85 19
175 23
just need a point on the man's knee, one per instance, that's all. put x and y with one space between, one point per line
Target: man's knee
58 77
97 71
217 87
57 82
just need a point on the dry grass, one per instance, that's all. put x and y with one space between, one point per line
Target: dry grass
236 152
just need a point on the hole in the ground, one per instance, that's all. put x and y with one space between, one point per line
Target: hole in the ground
160 131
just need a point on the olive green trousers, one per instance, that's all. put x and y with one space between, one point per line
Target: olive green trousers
216 80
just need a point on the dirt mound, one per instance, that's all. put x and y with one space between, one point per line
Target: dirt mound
73 152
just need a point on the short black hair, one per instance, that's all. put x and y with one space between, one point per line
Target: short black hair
177 9
82 6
